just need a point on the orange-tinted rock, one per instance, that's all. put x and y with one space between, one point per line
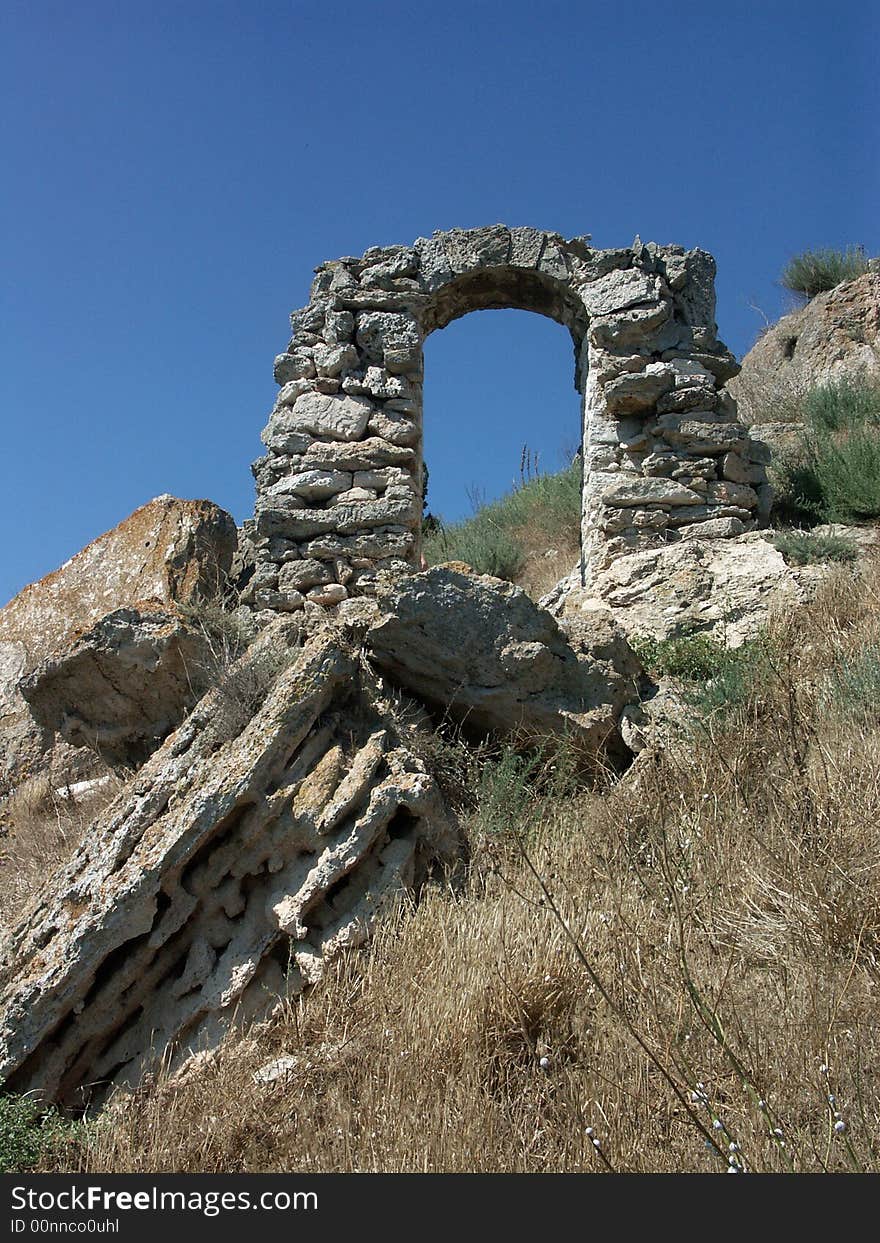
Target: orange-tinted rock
167 551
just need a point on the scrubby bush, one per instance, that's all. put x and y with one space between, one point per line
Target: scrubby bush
854 685
805 548
543 512
835 474
27 1133
814 271
719 679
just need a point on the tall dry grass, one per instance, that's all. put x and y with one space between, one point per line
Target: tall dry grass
41 824
679 975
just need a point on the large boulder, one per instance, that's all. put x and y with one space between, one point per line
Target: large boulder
836 336
122 687
223 876
726 588
478 650
167 551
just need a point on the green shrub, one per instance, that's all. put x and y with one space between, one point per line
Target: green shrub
804 548
497 539
27 1133
816 270
720 678
835 475
693 657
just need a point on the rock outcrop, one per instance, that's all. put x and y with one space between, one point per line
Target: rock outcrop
727 588
479 651
266 832
167 551
122 687
836 336
222 877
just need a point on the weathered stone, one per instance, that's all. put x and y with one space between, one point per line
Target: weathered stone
479 650
378 331
739 494
313 485
301 575
618 291
836 336
167 551
332 593
256 844
296 366
121 688
725 587
388 424
332 360
733 467
467 249
632 489
639 390
337 417
702 434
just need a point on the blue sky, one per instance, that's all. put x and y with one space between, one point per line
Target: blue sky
173 172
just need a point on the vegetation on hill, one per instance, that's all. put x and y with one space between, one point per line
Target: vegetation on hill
675 974
511 537
814 271
834 475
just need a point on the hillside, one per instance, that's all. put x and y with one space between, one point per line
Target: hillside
492 866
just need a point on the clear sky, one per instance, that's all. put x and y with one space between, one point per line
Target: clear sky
171 173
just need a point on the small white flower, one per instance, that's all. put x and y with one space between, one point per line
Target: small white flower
823 1069
734 1147
762 1104
717 1124
777 1132
588 1130
832 1099
595 1142
733 1169
544 1063
840 1126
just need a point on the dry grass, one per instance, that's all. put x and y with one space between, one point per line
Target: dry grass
42 823
689 962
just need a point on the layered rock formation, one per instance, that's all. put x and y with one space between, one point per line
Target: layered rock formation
219 880
339 492
167 551
270 828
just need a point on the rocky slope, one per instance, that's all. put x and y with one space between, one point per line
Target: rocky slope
835 336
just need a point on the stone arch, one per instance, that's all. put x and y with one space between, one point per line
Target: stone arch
665 455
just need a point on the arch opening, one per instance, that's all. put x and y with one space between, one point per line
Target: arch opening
502 437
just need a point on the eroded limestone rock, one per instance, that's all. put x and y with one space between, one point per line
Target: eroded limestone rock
223 876
726 587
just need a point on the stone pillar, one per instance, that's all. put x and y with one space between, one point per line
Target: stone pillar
665 455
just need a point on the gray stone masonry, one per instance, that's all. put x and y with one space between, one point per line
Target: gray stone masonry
339 493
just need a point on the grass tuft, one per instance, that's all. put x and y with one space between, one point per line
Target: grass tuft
814 271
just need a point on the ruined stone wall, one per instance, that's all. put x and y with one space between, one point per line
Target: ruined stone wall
339 492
